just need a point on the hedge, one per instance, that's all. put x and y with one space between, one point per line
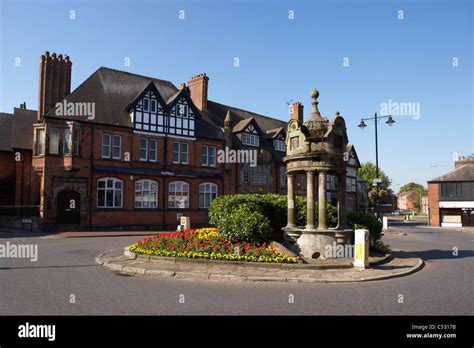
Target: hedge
258 217
368 220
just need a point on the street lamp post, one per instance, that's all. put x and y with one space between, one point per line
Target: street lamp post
362 125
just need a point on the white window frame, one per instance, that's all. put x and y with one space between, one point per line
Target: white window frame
147 148
109 146
54 143
155 157
67 141
279 145
76 141
207 190
208 159
183 156
146 99
113 147
149 192
140 148
172 193
258 175
113 189
250 139
40 142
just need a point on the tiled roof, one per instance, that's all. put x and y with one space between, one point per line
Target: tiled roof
22 131
463 173
219 112
113 90
16 130
273 133
239 127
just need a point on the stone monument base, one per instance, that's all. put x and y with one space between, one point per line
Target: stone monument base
314 243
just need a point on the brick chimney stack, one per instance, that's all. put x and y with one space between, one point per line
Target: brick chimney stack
462 160
54 81
297 111
197 87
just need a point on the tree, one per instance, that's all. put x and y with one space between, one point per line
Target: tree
413 186
418 189
368 172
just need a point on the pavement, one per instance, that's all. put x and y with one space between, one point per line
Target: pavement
328 271
66 280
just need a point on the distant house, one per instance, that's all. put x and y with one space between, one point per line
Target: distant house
451 196
406 201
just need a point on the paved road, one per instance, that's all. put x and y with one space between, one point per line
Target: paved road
66 266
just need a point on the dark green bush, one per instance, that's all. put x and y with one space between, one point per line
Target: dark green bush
224 214
369 221
246 224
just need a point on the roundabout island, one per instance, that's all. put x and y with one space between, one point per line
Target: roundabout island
276 237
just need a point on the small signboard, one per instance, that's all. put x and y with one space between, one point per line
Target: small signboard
185 222
27 221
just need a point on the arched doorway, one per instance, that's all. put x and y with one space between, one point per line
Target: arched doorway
68 207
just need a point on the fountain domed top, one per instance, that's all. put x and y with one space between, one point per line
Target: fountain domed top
316 125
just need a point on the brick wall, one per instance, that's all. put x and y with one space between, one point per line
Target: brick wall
433 204
63 172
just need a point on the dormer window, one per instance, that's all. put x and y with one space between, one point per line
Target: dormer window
279 145
151 114
182 119
250 136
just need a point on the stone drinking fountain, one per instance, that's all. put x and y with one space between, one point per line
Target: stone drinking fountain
316 147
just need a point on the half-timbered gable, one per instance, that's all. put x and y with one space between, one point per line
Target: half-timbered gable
182 115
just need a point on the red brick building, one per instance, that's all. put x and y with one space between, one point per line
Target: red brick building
451 196
18 187
406 201
125 150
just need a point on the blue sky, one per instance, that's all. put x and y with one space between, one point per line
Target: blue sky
407 60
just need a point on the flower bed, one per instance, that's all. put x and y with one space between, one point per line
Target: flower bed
207 243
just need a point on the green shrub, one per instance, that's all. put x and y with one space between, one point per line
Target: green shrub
300 214
223 214
369 221
245 224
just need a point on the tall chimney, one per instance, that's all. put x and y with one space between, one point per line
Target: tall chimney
197 87
54 81
297 111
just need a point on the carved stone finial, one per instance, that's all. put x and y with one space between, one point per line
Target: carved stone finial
315 112
228 120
